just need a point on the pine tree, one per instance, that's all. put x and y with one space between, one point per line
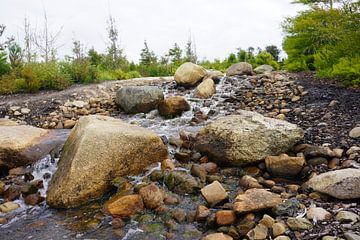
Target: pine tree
148 57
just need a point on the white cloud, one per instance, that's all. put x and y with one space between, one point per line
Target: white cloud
219 26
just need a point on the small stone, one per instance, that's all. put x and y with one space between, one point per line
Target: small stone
284 166
152 196
355 133
8 207
225 217
182 183
33 199
296 224
202 213
214 193
25 111
282 238
11 193
171 199
289 207
248 182
317 161
117 223
217 236
318 214
256 200
267 221
338 152
258 233
3 220
295 98
69 124
199 171
278 229
124 206
167 164
179 215
210 167
351 236
352 150
347 217
2 187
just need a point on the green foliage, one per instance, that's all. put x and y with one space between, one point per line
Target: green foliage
15 55
325 39
266 58
80 71
4 65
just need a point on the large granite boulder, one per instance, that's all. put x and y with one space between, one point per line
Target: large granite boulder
341 184
173 106
205 89
246 138
239 69
21 145
98 150
139 99
264 69
188 74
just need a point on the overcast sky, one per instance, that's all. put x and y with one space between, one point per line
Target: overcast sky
218 26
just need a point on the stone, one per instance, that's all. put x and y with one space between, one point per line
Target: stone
278 229
263 69
179 215
225 217
21 145
347 217
355 133
289 207
297 224
214 193
239 69
317 161
78 104
199 171
284 166
205 89
25 111
188 74
167 164
152 196
217 236
341 184
8 207
68 124
318 214
139 99
7 122
246 138
2 187
182 183
124 206
282 238
173 106
258 233
256 200
351 236
215 75
33 199
99 149
267 221
248 182
202 212
316 151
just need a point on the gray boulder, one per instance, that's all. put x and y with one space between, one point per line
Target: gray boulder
263 69
139 99
246 138
189 74
341 184
238 69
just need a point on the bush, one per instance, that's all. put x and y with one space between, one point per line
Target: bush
4 65
103 75
133 74
266 58
348 70
80 71
9 83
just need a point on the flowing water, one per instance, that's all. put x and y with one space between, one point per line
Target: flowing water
89 222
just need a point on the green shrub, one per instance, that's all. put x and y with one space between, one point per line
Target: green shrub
133 74
80 71
103 75
4 65
266 58
348 71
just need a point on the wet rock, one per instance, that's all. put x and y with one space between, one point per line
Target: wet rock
152 196
289 207
342 184
13 192
68 124
278 229
117 223
205 89
256 200
188 74
139 99
225 217
8 207
2 187
347 217
216 76
351 236
248 182
282 238
210 167
171 199
263 69
284 166
317 161
179 215
199 171
21 145
239 69
173 106
28 189
97 150
183 157
296 224
217 236
355 133
246 138
316 151
214 193
124 206
246 224
318 214
258 233
267 221
182 183
202 213
167 164
7 122
3 220
33 199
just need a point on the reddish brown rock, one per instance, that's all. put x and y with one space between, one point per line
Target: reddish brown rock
124 206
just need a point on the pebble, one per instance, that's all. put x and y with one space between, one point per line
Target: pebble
217 236
258 233
278 229
225 217
318 214
355 132
214 193
347 217
296 224
255 200
202 212
152 196
8 207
